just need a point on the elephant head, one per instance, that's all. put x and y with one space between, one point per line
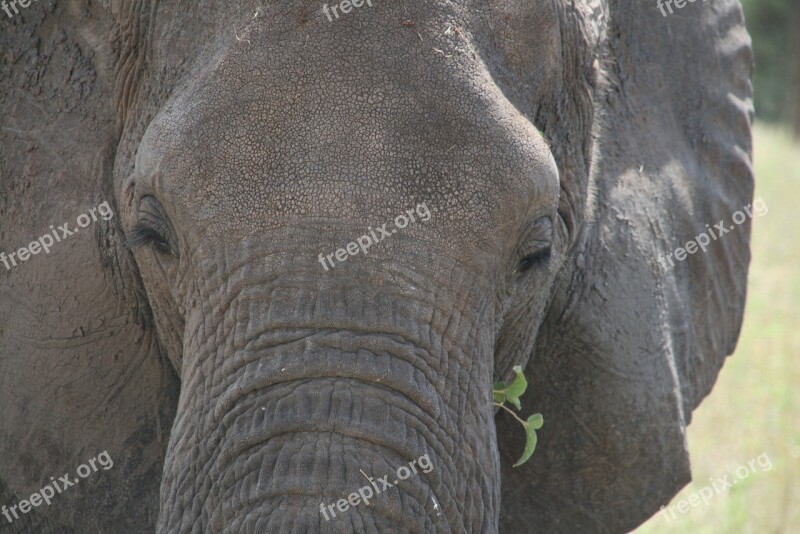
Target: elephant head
243 372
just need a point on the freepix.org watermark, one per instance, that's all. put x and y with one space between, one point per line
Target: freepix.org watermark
367 240
718 486
49 491
365 493
679 4
13 4
345 5
704 239
45 242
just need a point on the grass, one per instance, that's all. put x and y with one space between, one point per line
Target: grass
754 408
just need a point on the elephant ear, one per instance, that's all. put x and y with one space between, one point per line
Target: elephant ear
81 370
629 348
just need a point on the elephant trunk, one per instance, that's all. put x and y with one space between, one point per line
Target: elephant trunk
333 431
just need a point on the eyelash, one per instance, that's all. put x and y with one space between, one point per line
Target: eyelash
532 259
143 235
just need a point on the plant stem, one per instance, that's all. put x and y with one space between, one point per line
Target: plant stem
506 408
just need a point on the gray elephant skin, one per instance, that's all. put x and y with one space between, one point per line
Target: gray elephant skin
240 386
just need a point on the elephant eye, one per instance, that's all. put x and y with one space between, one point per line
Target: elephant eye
152 229
143 235
538 257
538 245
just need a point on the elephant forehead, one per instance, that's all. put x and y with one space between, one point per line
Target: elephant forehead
281 124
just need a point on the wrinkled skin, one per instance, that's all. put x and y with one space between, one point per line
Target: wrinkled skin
237 384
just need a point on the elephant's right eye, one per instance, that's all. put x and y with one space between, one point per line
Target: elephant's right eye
153 228
143 235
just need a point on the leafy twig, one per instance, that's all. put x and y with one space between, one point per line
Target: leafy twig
511 392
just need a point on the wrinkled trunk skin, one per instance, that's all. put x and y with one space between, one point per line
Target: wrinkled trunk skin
294 393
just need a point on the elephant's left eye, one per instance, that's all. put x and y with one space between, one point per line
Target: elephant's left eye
538 245
540 256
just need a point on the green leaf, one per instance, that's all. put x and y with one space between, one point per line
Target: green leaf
517 387
499 397
499 392
536 420
533 423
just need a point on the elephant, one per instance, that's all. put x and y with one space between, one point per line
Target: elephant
192 337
